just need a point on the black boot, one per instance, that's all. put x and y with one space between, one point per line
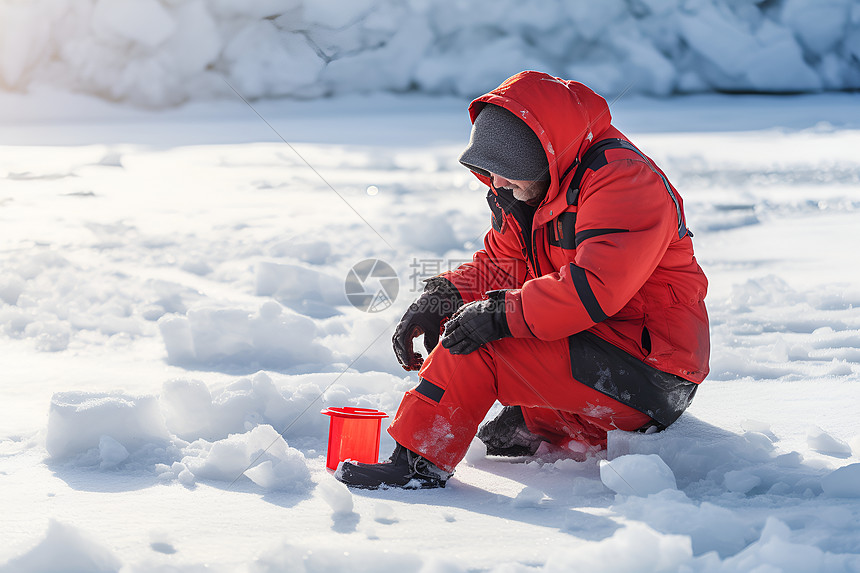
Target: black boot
404 469
508 435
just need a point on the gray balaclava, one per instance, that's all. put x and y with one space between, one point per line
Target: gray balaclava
503 144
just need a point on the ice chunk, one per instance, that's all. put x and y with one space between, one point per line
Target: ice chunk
528 497
759 441
159 53
278 475
186 478
336 14
477 452
759 427
605 78
646 66
740 481
263 61
852 42
635 547
191 411
637 474
775 551
78 420
469 71
660 6
178 341
272 338
820 25
789 460
143 21
390 67
284 467
823 443
336 495
197 41
717 38
111 453
592 19
187 407
777 63
710 527
843 482
253 9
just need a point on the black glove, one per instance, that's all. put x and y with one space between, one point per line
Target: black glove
476 324
425 316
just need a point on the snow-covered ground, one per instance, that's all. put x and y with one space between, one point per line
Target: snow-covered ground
172 299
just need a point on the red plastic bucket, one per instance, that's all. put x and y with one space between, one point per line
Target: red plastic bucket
353 434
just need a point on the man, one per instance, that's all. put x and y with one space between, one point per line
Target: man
583 313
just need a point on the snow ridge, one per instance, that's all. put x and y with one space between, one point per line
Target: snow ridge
160 53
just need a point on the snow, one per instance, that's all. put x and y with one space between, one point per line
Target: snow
842 482
161 53
64 548
338 497
173 316
824 443
261 454
637 474
273 337
79 421
140 21
528 497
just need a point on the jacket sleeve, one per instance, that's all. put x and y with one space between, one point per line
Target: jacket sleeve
499 265
625 221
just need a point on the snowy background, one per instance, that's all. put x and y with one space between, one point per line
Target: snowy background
160 53
172 306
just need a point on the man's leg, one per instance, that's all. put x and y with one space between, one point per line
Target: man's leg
439 418
581 433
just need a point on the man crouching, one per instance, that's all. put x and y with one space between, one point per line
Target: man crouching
583 313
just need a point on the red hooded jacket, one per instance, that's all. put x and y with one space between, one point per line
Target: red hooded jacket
617 263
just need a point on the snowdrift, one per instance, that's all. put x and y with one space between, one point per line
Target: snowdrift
164 52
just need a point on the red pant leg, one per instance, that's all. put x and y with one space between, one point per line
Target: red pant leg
440 428
440 417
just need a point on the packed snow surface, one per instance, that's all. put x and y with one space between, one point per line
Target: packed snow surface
158 53
174 316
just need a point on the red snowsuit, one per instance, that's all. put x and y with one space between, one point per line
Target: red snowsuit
602 279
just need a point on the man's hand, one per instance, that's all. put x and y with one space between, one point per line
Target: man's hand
476 324
425 316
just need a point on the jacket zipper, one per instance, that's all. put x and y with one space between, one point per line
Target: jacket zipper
524 217
534 256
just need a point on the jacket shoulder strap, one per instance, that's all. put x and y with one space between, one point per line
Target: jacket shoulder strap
595 157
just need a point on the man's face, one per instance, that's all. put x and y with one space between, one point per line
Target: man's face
531 192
